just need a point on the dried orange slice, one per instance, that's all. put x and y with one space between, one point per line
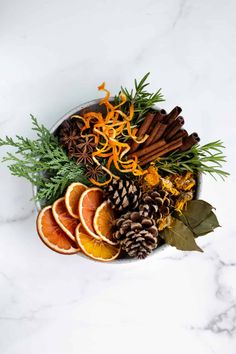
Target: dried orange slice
66 222
88 204
94 248
104 222
52 235
72 197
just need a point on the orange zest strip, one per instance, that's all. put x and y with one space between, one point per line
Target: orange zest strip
106 131
78 117
105 100
109 162
135 130
106 155
123 100
100 184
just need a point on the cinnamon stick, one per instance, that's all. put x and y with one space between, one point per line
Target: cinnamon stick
174 127
173 114
149 149
158 117
189 141
182 133
161 151
143 129
154 129
161 130
165 123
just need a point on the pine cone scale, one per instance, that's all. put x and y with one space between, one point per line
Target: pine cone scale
156 204
138 234
123 195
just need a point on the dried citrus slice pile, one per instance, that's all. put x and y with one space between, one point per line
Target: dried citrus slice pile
79 221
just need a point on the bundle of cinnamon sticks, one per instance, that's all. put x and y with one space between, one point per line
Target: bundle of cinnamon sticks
164 134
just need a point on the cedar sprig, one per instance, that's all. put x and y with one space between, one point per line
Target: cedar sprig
55 186
142 100
43 162
204 159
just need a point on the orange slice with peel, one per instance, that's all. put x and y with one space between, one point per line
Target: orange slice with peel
104 222
94 248
66 222
52 235
90 200
72 197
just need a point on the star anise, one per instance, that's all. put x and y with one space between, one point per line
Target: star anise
94 172
82 157
69 135
87 143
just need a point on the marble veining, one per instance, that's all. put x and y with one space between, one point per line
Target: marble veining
53 56
181 8
19 218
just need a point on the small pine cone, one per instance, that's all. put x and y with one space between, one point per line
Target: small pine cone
156 204
123 195
138 235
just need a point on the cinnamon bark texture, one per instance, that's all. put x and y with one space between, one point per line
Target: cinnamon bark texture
182 133
174 127
173 114
155 126
142 130
149 149
160 118
174 145
189 141
160 132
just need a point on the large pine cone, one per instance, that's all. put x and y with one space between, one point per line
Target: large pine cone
156 204
138 235
123 195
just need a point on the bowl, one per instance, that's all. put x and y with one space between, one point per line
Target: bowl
95 107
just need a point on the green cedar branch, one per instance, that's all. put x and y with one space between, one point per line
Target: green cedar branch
43 162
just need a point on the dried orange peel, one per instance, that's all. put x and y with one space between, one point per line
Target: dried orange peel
107 131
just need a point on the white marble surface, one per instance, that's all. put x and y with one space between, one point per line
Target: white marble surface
53 54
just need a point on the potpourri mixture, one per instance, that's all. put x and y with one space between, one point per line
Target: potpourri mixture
120 181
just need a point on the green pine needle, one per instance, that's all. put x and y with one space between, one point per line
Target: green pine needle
204 159
142 100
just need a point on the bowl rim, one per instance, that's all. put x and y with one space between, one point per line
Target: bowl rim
38 206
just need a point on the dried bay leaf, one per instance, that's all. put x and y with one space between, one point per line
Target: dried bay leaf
196 211
180 236
207 225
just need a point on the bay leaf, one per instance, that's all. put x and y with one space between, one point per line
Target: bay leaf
180 236
207 225
196 211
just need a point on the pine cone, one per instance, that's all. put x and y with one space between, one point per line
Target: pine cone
123 195
156 204
137 234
